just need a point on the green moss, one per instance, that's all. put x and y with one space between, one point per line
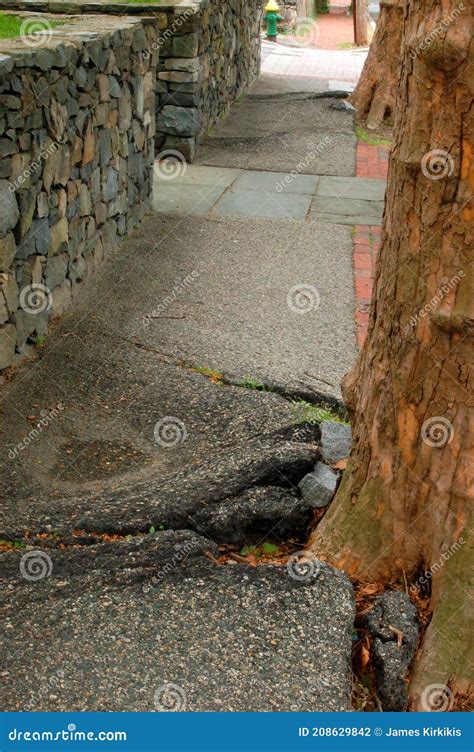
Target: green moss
362 135
357 524
252 384
215 376
322 6
9 26
306 412
453 613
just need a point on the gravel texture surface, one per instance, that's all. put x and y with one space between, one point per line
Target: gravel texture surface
112 630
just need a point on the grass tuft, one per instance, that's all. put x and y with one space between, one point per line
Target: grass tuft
10 26
362 135
305 412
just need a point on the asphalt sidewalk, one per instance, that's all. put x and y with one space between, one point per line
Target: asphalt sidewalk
181 399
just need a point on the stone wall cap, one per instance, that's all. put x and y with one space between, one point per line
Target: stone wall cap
99 6
74 31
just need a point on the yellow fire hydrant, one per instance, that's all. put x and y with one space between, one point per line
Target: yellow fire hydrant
272 17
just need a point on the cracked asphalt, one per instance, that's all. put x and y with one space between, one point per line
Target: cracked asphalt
109 428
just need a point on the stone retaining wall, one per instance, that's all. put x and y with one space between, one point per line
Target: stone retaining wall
209 54
77 124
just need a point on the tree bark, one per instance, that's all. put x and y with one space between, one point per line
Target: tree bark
374 96
405 503
361 36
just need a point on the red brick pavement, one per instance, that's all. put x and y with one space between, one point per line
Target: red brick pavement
371 162
333 30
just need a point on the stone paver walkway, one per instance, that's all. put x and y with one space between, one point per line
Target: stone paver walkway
270 195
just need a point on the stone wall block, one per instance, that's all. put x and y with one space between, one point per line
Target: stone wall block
7 345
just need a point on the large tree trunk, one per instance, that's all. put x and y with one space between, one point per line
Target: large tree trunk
405 503
361 34
374 96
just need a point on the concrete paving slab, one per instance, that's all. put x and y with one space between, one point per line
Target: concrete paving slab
260 204
366 189
346 211
276 182
155 626
341 86
199 175
184 198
